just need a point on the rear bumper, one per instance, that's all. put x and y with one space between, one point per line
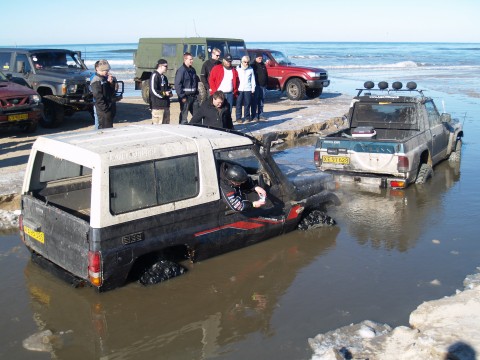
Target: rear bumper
379 181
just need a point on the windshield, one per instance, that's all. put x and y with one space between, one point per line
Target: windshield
236 48
56 59
3 77
281 58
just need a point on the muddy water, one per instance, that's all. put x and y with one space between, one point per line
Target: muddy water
390 251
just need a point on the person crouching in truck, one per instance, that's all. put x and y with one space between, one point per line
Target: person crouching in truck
103 86
215 111
235 183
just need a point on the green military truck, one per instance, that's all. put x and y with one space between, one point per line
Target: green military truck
172 49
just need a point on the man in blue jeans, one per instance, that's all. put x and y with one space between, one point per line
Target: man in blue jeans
261 81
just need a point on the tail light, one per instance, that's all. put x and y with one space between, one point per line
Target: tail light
95 267
402 165
316 158
20 227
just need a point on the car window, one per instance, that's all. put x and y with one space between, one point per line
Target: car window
5 61
142 185
244 157
169 50
433 115
23 65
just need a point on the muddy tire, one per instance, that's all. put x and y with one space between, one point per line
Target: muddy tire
53 113
295 89
313 93
202 93
315 219
424 173
456 155
146 91
160 271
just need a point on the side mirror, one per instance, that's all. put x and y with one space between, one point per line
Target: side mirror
446 117
269 62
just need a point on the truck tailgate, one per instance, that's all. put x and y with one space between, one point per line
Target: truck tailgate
62 238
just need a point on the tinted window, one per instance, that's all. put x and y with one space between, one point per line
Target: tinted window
141 185
244 157
169 50
385 115
22 60
197 50
237 49
433 115
5 61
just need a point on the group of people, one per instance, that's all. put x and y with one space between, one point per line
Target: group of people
224 84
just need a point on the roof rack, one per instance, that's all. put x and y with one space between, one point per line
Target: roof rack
383 86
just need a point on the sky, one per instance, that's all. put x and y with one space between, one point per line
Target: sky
125 21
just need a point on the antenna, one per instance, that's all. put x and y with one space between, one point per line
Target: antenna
195 28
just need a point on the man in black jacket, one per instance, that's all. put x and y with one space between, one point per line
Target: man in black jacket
103 86
207 68
215 111
186 86
261 81
160 94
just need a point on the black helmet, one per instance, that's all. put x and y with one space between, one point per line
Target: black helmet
236 174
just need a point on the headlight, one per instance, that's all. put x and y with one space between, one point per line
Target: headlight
315 74
71 89
35 99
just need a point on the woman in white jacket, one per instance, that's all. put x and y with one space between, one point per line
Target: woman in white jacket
246 89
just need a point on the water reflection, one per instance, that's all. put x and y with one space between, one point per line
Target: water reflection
220 302
394 219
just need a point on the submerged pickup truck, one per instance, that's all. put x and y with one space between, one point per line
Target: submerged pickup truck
393 138
132 203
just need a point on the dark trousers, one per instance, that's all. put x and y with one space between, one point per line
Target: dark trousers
190 105
244 100
258 101
105 118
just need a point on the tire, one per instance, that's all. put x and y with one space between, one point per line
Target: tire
315 219
146 91
54 113
314 93
202 93
295 89
160 271
457 154
424 173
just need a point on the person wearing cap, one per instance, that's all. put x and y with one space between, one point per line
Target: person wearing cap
235 183
160 94
186 86
224 77
261 81
208 66
103 86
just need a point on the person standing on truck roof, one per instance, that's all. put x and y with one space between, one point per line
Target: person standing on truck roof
186 86
215 112
261 81
224 77
208 66
103 86
246 88
234 183
160 94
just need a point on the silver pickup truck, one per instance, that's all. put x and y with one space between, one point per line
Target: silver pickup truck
392 138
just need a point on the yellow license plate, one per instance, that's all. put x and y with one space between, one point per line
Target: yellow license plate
37 235
343 160
17 117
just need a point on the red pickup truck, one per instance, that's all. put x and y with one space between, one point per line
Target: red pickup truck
20 106
296 81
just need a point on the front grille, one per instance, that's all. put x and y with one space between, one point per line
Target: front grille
13 103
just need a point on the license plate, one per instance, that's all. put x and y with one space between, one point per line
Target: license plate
37 235
17 117
343 160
